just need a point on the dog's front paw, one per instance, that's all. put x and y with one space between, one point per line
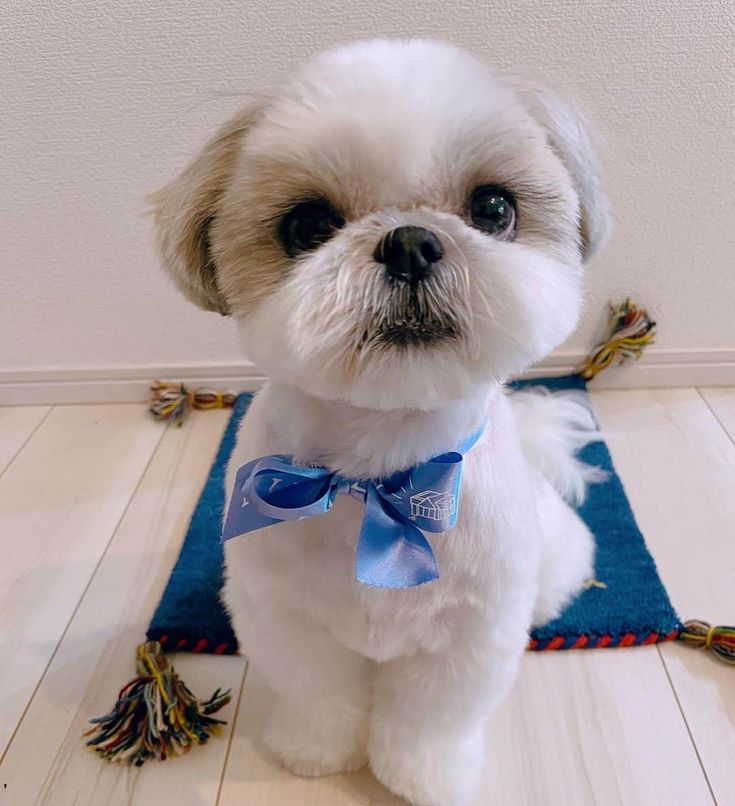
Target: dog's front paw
319 738
427 770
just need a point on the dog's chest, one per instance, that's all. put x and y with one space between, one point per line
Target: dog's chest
311 565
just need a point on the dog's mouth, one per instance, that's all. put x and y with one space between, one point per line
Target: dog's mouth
415 332
414 318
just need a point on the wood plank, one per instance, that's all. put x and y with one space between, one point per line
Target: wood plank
679 469
581 727
17 425
60 501
593 726
722 404
47 762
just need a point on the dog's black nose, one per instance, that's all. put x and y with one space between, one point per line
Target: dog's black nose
408 253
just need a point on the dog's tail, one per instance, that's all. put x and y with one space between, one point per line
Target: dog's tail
553 428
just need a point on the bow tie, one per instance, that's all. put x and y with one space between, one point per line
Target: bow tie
392 551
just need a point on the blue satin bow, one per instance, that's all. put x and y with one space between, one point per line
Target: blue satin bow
392 551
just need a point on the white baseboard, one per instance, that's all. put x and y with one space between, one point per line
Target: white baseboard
118 384
128 384
656 369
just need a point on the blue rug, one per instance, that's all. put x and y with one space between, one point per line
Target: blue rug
632 608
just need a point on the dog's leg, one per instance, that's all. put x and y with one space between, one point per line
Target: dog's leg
429 712
320 720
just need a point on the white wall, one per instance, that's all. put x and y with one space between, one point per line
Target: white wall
100 102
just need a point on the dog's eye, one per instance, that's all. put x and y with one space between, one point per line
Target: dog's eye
307 225
492 209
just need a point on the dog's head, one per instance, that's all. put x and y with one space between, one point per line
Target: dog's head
398 227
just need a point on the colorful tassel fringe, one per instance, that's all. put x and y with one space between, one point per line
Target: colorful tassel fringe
156 715
631 331
173 401
720 640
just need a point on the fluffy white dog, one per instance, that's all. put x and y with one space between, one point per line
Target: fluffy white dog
397 232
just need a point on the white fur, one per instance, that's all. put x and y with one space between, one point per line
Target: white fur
553 428
398 133
410 675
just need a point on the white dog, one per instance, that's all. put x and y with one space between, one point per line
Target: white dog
397 232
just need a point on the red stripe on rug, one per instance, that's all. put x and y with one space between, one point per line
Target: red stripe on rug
219 649
650 639
581 642
604 641
555 643
200 644
181 643
627 640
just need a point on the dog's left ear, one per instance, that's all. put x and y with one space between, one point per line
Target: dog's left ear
569 136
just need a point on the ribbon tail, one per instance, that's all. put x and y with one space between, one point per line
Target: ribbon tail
391 551
242 519
241 516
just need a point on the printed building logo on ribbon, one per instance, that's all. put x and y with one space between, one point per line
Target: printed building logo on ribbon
435 506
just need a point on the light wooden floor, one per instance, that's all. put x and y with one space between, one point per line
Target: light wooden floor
94 501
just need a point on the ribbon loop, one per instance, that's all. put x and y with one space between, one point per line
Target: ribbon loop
281 490
392 550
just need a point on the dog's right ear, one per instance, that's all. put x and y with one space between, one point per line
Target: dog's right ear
184 210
